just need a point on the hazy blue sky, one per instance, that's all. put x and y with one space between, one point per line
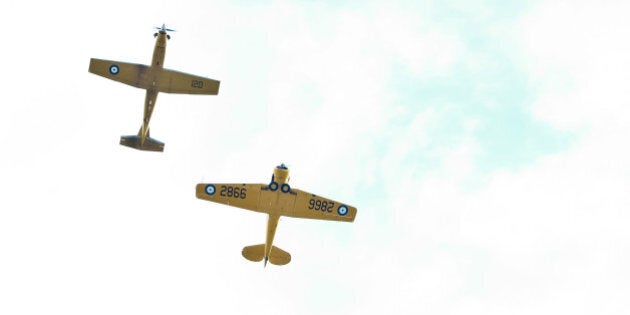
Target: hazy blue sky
484 143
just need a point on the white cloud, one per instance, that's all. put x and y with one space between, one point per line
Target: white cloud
550 237
421 46
577 54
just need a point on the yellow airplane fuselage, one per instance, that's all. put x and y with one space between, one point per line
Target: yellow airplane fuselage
157 64
274 203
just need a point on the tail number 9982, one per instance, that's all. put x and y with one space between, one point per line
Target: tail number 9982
233 192
318 204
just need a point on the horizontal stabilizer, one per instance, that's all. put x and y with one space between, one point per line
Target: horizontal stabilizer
279 257
254 252
135 142
257 252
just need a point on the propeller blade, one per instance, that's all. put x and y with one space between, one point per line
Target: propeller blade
164 29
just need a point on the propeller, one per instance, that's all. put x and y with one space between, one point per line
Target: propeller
164 29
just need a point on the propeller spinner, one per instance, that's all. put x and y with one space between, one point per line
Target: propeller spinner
163 30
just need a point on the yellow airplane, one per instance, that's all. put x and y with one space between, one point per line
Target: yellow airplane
276 199
154 79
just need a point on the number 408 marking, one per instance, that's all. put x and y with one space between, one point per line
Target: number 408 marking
197 84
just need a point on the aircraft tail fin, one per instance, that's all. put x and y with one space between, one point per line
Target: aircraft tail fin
149 144
257 252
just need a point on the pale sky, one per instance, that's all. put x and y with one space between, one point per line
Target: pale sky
484 143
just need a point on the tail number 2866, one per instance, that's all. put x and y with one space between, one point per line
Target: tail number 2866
233 192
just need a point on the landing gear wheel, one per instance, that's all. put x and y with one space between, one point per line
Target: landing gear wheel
285 188
273 186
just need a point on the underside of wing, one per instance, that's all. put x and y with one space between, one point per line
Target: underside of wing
311 206
171 81
128 73
244 196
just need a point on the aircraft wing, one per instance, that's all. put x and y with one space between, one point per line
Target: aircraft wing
311 206
128 73
244 196
171 81
257 197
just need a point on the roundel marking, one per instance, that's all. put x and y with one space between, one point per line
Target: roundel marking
342 210
210 189
113 69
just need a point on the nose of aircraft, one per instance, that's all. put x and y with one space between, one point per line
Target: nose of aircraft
281 174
